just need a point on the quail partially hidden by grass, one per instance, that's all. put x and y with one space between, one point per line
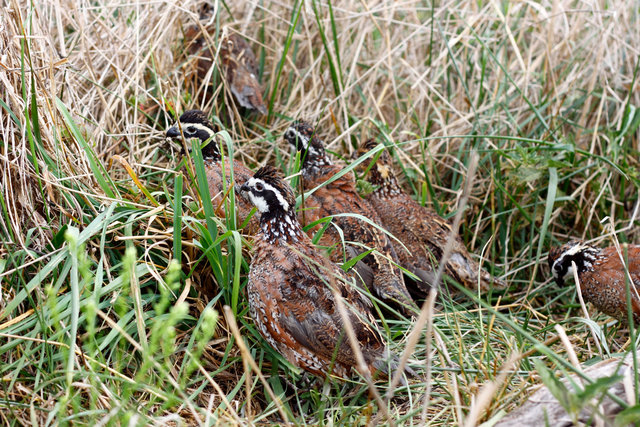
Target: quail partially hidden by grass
291 290
422 231
341 197
195 124
601 274
235 57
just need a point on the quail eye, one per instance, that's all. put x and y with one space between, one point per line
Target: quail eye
290 134
190 130
259 186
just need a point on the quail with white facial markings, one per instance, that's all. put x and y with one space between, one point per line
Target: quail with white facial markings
341 197
602 275
423 232
196 125
292 290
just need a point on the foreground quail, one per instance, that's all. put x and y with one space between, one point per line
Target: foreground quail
423 232
195 124
237 61
601 274
341 197
290 290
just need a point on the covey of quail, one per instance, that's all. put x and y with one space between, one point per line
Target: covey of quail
601 274
196 125
291 290
423 232
340 197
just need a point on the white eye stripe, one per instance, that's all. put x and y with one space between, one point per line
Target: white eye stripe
570 252
279 196
574 250
560 261
197 126
283 203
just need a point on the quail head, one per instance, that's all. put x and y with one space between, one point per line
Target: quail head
601 275
195 125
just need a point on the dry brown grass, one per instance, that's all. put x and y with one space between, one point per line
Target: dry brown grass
528 85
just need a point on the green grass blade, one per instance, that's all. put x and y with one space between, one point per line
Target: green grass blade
100 174
177 218
295 17
548 209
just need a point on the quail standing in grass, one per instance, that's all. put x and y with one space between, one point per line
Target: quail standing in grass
291 290
602 275
423 232
196 125
341 197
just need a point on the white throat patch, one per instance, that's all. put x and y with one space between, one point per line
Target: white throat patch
260 202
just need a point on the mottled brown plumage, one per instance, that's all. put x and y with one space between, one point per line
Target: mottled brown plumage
601 274
423 232
195 124
237 61
291 285
341 197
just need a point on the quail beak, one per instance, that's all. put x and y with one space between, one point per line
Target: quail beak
173 132
241 188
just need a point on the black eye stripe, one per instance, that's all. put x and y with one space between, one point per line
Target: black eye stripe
582 259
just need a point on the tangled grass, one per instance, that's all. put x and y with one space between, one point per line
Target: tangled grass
114 271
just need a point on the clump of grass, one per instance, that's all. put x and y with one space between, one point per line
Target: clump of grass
114 271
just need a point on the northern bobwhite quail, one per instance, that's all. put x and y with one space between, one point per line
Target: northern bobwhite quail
237 61
422 231
601 274
195 124
341 197
290 289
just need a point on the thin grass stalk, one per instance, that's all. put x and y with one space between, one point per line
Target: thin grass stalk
428 337
488 390
362 365
246 355
426 310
